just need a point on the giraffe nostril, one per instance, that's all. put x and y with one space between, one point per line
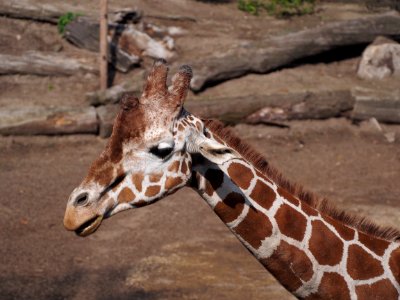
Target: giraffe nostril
82 199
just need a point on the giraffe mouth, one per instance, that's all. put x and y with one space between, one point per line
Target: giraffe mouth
89 226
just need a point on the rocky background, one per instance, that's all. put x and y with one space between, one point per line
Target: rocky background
318 94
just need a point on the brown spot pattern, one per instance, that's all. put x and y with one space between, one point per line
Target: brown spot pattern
380 290
184 167
208 188
198 125
290 222
231 208
394 264
289 197
141 203
361 265
180 127
261 175
240 174
126 195
332 286
254 228
263 194
289 265
137 180
155 177
308 209
344 231
172 182
326 247
174 167
375 244
152 190
214 179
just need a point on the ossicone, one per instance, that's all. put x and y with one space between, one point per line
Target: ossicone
129 101
181 84
156 83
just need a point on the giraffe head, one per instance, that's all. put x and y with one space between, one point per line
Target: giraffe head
148 156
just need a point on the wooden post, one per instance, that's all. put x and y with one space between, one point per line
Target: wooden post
103 45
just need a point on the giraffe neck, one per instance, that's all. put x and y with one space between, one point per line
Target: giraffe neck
313 255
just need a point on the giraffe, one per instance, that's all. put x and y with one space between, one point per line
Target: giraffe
314 250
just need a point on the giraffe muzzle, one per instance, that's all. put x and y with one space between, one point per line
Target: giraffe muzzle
89 226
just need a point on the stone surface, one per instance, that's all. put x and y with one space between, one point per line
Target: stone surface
380 60
382 104
371 124
390 136
106 115
36 120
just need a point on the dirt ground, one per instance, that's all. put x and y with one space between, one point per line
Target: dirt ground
176 248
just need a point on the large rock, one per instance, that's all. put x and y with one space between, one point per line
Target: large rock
49 121
382 104
380 60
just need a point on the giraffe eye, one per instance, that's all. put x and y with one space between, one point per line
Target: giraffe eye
162 150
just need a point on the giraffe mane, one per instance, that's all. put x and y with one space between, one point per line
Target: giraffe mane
319 203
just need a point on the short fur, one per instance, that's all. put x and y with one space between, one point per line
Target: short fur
321 204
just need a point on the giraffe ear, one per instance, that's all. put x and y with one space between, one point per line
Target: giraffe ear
216 152
210 149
